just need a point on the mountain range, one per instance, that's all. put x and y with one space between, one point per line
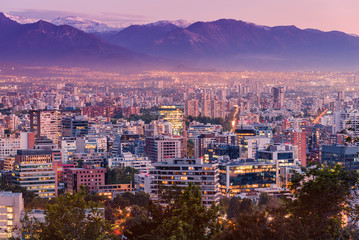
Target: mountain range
225 44
43 43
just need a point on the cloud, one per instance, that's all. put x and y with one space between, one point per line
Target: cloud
123 18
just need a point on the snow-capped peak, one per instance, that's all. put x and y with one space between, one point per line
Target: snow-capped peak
86 25
21 20
179 23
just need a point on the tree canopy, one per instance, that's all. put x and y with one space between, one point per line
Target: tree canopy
322 208
70 217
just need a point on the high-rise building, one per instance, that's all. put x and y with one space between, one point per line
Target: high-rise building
160 148
191 108
205 106
49 123
174 115
217 109
278 98
299 139
33 171
181 172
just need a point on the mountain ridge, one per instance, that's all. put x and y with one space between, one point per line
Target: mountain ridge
43 43
225 44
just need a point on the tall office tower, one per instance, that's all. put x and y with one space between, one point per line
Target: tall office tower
33 171
217 109
49 123
191 108
278 97
174 115
159 148
299 139
194 171
341 96
205 105
298 104
340 101
222 95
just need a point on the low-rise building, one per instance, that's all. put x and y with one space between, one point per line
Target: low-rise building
90 177
238 176
142 164
112 190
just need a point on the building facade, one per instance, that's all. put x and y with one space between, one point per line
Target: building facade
181 172
33 170
89 177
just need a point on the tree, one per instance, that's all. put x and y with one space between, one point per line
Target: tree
323 199
120 175
188 218
238 206
184 217
247 225
71 217
190 148
323 196
146 117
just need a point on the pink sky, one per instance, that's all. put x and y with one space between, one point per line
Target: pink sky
325 15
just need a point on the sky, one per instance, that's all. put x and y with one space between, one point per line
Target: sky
327 15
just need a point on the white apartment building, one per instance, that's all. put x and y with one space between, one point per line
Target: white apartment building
142 164
11 208
143 182
181 172
68 147
160 148
249 146
348 120
9 146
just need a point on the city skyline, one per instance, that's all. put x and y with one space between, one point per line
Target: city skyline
324 15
